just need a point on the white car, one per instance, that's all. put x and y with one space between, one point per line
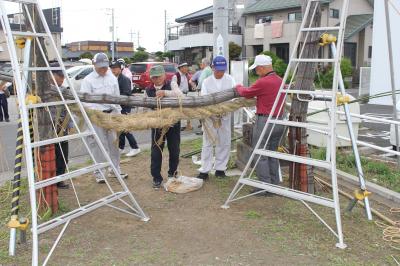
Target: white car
76 74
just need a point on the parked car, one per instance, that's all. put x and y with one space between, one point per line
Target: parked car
77 74
140 73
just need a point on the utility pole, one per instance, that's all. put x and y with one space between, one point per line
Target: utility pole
113 33
131 33
138 39
165 30
221 28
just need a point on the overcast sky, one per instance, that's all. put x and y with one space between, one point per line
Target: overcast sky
88 19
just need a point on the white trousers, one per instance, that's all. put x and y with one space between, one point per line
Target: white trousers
109 140
222 142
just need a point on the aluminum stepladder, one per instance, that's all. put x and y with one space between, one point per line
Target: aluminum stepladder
20 79
330 130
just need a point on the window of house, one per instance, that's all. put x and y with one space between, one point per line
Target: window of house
370 52
294 16
334 13
263 19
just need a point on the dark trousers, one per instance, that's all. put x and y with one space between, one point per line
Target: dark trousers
173 137
131 140
3 107
60 163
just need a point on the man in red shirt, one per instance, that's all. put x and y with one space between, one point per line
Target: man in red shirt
266 89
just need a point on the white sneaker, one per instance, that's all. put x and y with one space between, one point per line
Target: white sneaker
123 175
100 180
122 151
133 152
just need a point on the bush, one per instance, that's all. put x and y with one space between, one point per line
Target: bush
88 55
325 80
140 56
277 63
234 51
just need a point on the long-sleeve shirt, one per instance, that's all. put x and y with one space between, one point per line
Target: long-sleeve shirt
96 84
266 90
207 71
184 82
174 92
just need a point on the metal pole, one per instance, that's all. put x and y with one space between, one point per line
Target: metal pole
113 34
165 30
353 138
391 71
221 28
25 127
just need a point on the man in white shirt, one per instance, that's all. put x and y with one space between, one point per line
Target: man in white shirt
102 81
217 129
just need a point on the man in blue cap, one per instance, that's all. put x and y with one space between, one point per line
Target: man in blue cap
217 129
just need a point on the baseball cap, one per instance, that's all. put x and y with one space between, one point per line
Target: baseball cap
261 60
219 63
182 64
157 71
115 64
100 60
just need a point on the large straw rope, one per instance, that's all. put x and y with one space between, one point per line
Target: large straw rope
164 117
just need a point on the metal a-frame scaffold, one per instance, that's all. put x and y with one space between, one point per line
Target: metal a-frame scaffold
33 35
329 131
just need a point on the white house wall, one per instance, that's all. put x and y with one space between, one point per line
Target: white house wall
380 74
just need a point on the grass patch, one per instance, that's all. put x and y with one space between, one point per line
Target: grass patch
253 215
378 172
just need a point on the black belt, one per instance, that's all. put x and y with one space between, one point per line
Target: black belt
268 115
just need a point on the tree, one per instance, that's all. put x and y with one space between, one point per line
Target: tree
159 55
168 55
140 56
234 51
88 55
140 48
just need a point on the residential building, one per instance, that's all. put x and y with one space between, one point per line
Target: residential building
17 23
191 38
259 16
73 50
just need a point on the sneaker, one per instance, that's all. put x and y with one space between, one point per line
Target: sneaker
100 180
157 184
199 133
111 174
203 176
220 174
133 152
7 120
62 185
121 151
261 194
124 175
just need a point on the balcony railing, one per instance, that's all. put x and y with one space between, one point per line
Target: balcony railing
205 28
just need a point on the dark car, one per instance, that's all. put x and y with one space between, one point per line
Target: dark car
140 73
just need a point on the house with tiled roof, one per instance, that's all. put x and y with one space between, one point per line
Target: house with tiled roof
259 16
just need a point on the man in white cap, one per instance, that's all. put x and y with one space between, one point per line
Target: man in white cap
181 79
102 81
217 129
265 89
